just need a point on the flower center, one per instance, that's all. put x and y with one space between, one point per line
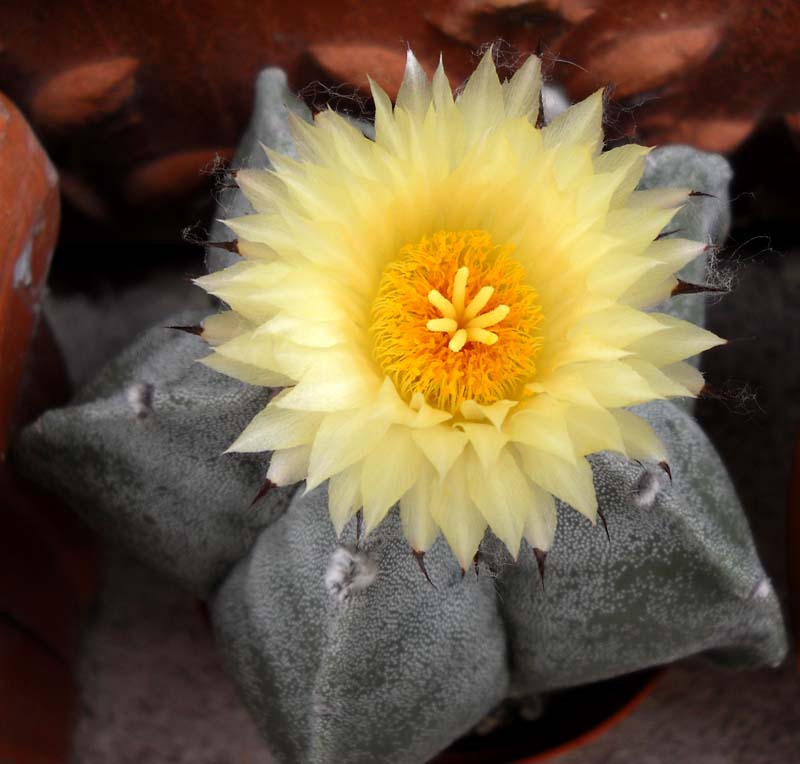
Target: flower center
465 323
455 320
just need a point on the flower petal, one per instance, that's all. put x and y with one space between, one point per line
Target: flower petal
504 500
390 469
224 326
486 441
343 438
275 428
252 375
580 125
640 440
415 512
414 95
454 512
540 519
344 496
679 340
542 423
572 483
521 94
441 445
336 381
481 101
289 465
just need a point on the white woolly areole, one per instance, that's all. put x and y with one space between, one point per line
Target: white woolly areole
140 397
648 485
348 572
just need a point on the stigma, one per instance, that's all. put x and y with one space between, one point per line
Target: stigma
464 322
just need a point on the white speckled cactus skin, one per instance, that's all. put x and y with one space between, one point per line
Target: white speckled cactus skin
397 671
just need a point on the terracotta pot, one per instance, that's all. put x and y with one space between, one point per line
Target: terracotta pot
571 719
37 700
48 569
28 229
135 100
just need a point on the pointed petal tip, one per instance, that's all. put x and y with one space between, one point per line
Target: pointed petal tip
419 556
196 329
265 488
686 287
605 524
231 246
541 557
359 525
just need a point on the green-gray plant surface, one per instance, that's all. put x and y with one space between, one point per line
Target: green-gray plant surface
399 669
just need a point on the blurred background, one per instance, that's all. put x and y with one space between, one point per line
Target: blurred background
137 102
123 116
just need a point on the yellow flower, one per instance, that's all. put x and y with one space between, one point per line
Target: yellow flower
455 309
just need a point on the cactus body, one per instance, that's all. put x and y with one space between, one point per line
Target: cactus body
396 671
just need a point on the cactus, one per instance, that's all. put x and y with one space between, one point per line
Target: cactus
348 649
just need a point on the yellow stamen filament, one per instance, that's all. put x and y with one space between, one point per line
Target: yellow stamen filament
465 324
442 349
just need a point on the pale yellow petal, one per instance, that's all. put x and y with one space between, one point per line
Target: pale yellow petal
415 512
344 496
640 440
275 428
390 469
386 131
256 350
572 483
455 513
679 340
503 497
617 325
542 423
252 227
308 332
486 441
289 465
264 189
441 445
659 198
224 326
613 275
630 159
521 93
565 384
441 93
685 375
414 95
662 385
638 226
247 287
618 383
336 382
593 429
252 375
481 101
540 519
580 125
426 416
343 438
495 412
